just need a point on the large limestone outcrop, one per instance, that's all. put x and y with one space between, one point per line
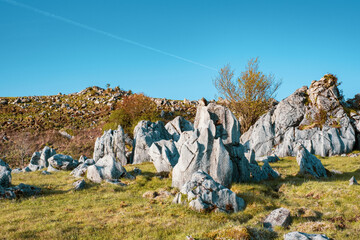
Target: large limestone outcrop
145 134
106 168
39 160
177 126
309 164
164 155
204 194
311 116
112 142
62 162
212 147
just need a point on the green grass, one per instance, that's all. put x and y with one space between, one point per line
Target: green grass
104 211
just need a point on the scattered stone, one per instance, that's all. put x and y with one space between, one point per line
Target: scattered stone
279 217
111 143
79 185
353 181
204 195
45 172
40 160
337 172
22 190
309 164
270 159
177 199
164 155
65 134
62 162
82 159
304 236
105 168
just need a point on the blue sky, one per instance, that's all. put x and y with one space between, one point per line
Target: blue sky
298 41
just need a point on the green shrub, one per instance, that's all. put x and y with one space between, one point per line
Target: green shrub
130 111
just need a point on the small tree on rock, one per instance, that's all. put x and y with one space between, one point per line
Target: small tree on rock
250 95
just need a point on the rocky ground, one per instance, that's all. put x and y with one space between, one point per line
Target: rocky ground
236 182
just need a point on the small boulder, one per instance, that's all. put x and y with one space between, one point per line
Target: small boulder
353 181
279 217
207 195
304 236
309 164
106 168
62 162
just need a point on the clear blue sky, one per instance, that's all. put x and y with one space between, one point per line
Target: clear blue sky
71 44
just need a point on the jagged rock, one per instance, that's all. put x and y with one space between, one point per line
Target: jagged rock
304 236
22 190
80 170
261 173
105 168
270 159
79 185
177 199
39 160
353 181
177 126
145 134
62 162
279 217
310 116
112 143
5 174
309 164
205 148
164 155
204 194
227 127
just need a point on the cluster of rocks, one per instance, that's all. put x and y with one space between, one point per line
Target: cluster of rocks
11 192
314 117
204 195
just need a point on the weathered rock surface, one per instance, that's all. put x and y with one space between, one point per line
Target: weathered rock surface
304 236
79 185
111 143
145 134
22 190
214 147
40 160
204 194
105 168
62 162
261 173
311 116
81 169
5 174
279 217
309 164
164 155
227 127
177 126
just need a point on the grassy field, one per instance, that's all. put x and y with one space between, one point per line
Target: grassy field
104 211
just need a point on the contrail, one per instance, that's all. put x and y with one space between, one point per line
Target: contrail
80 25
